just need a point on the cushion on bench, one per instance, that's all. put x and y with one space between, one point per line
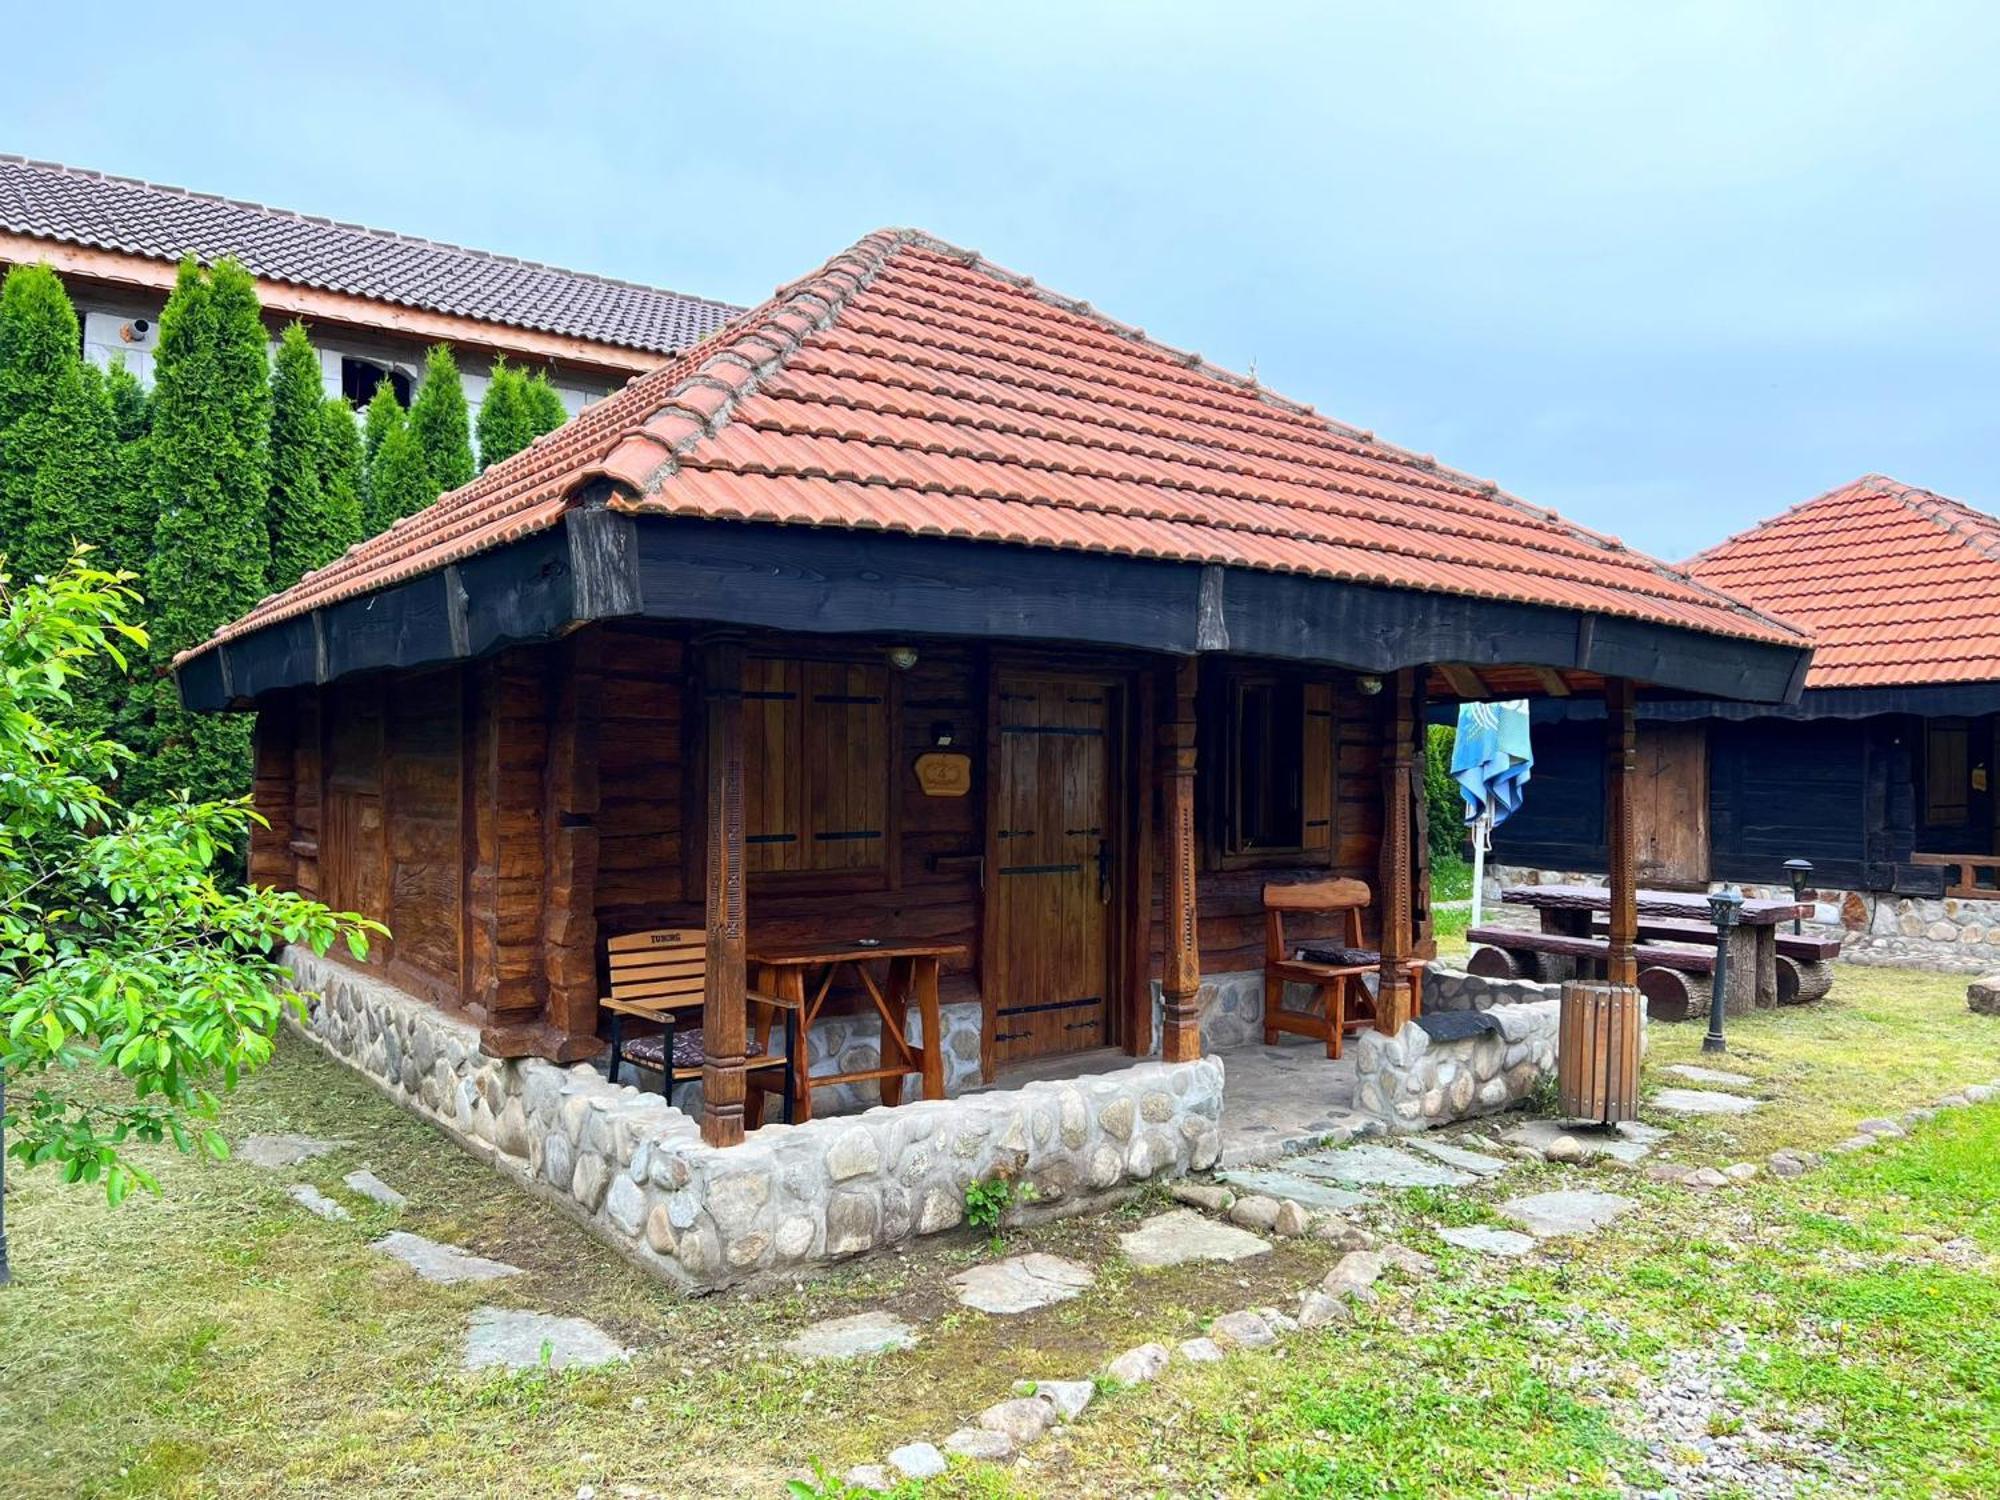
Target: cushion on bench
647 1051
1338 957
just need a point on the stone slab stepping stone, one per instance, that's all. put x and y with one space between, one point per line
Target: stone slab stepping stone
1307 1192
850 1337
446 1264
1694 1074
283 1150
1628 1142
1566 1211
1703 1102
1487 1240
1476 1162
1201 1351
917 1461
1021 1283
1182 1235
368 1185
314 1201
510 1339
1380 1166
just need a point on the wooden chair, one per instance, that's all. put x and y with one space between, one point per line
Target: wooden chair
1333 970
654 977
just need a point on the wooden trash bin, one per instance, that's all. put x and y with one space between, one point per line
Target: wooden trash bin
1597 1052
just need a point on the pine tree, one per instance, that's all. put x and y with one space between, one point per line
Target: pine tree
341 471
303 534
442 424
399 481
211 474
545 407
56 441
504 419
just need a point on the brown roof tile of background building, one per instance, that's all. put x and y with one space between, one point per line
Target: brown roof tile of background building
1898 585
911 386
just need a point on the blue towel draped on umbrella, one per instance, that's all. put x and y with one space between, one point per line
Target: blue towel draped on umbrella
1491 762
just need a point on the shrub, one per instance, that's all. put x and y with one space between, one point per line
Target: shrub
56 439
399 481
545 408
442 425
340 472
1443 804
504 418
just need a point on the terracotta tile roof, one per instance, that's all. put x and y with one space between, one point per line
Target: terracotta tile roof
913 387
45 200
1898 585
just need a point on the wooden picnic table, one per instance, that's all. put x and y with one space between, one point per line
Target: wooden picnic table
1566 910
804 973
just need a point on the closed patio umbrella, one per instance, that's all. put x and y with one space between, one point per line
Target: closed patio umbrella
1491 762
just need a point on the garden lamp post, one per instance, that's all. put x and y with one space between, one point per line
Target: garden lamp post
1797 870
1725 907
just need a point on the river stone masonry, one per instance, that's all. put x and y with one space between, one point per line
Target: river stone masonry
1449 989
634 1171
1411 1082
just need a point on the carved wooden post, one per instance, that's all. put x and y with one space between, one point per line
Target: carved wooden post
569 837
1180 977
1621 832
1394 1002
723 1023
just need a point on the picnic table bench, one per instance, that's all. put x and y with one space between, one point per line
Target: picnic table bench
1677 941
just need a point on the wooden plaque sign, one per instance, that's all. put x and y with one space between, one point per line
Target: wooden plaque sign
944 773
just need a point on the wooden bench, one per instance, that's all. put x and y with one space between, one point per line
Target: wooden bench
1801 946
656 975
1664 969
1334 981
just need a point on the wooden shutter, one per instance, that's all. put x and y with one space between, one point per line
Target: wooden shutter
845 760
773 824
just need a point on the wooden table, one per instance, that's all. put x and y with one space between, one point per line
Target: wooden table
804 973
1753 942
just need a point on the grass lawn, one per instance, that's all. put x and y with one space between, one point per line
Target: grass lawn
221 1341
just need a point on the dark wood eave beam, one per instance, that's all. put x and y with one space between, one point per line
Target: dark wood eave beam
603 564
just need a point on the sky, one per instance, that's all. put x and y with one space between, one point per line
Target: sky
1668 268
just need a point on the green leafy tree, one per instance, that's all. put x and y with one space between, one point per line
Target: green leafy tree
340 471
133 982
505 422
212 547
442 424
303 531
399 481
56 441
545 407
1446 808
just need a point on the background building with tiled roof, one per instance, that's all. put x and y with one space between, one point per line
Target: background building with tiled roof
1882 774
373 300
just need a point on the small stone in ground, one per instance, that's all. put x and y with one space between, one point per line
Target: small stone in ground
1357 1268
1316 1309
1563 1150
1022 1283
872 1477
1242 1330
1741 1171
1702 1102
1628 1142
1487 1240
1857 1143
849 1337
1307 1191
1068 1397
917 1461
1704 1179
1181 1235
1979 1093
980 1442
1209 1197
1788 1164
1953 1101
368 1185
445 1264
1201 1351
1137 1366
1412 1263
1023 1419
1292 1220
1667 1171
1343 1234
515 1340
1545 1215
1255 1212
314 1201
283 1150
1694 1074
1888 1129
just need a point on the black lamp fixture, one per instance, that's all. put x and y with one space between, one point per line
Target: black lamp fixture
1798 871
1724 906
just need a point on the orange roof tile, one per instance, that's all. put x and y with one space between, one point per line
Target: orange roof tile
1898 586
913 387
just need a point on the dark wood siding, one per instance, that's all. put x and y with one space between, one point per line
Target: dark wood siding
1560 825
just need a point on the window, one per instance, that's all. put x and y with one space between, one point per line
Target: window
1947 779
360 377
816 767
1278 764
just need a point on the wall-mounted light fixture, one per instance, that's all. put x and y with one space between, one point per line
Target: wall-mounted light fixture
1368 686
902 658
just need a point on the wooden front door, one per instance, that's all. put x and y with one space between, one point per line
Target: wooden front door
1670 804
1051 847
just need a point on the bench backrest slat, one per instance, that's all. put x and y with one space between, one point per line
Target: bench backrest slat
660 970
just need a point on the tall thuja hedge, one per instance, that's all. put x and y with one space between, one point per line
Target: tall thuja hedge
211 468
302 532
56 438
130 513
340 470
442 424
384 413
399 480
546 411
504 418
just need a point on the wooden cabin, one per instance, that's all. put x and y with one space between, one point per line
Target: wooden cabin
1881 774
924 604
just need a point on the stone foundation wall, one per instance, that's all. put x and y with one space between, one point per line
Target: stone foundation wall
1411 1082
1232 1007
1449 989
634 1170
1874 927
